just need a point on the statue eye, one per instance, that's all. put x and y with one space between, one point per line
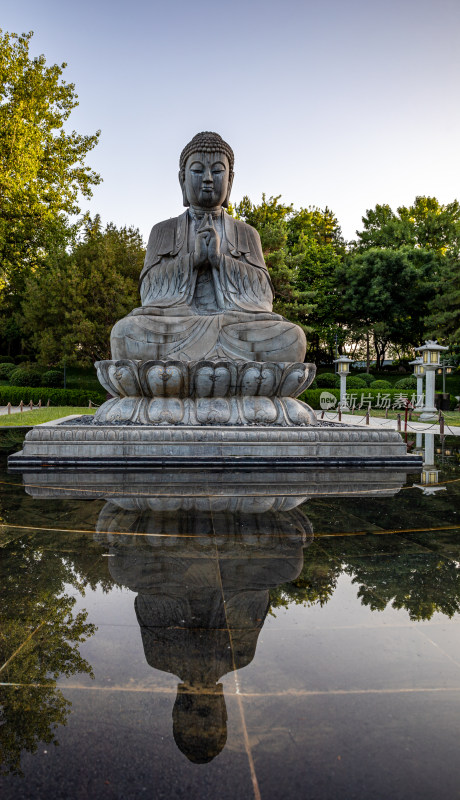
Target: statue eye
196 167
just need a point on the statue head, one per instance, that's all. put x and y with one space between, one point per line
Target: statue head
206 171
200 722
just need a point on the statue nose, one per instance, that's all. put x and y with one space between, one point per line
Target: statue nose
207 176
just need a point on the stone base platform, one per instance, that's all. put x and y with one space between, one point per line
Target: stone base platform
147 447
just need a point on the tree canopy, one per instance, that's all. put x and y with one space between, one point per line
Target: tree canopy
70 308
387 292
42 165
301 250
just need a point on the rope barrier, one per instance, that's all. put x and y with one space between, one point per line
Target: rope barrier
319 535
123 493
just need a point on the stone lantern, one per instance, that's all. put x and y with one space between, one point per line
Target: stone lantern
419 372
445 368
343 368
430 352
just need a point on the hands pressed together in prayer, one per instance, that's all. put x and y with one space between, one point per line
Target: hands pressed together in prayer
207 243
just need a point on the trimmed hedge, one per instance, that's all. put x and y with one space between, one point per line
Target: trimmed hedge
52 378
57 397
381 384
406 383
355 382
6 360
365 376
312 396
327 380
26 377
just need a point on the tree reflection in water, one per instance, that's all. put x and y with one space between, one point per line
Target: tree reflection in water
206 574
37 622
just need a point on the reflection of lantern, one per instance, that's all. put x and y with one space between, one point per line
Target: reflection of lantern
430 477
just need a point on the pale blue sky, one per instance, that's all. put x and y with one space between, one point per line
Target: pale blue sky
345 104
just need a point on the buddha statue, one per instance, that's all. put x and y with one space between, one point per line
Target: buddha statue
205 289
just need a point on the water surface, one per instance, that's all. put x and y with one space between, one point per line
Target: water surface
215 647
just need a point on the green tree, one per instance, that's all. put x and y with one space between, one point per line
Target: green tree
387 292
301 250
426 223
428 227
70 308
315 238
42 168
443 320
270 218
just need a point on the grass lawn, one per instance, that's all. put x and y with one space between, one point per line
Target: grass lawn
450 417
29 418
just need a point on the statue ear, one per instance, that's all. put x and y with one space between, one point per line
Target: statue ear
230 183
185 199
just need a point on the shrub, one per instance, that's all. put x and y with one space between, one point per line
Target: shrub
366 377
22 376
356 382
22 359
327 380
313 397
406 383
6 369
380 384
52 378
6 360
57 397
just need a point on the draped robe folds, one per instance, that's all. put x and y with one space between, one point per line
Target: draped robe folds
191 313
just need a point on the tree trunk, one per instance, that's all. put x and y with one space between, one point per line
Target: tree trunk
368 354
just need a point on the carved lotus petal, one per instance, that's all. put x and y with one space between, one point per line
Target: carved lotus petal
259 379
124 377
102 369
296 378
166 410
163 378
212 379
259 410
214 411
118 410
299 413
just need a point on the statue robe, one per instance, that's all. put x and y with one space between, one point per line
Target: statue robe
191 313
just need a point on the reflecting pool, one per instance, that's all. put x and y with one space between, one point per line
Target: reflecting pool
231 636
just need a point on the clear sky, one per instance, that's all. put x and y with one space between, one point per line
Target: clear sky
345 103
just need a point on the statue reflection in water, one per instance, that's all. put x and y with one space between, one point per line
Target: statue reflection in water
202 570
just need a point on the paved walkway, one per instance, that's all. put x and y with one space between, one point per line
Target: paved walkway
392 424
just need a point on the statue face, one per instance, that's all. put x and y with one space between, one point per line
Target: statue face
207 179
